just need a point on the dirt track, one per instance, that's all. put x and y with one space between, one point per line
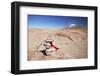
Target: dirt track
72 43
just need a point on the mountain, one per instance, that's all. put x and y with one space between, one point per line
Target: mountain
72 26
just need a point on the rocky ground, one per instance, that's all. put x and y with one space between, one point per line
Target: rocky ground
72 43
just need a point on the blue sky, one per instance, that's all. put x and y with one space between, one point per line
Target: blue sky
55 22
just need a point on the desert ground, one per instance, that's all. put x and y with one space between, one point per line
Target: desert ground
72 43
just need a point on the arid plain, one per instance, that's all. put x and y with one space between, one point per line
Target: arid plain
72 43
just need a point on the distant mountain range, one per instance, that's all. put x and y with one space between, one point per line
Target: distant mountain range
73 26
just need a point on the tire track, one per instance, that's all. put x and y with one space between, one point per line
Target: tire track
64 35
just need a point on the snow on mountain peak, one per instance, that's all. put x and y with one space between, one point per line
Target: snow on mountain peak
72 25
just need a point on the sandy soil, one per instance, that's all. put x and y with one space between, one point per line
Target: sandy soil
72 43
